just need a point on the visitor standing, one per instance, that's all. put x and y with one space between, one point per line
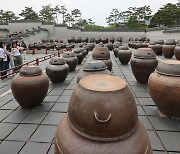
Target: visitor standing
10 56
17 55
3 60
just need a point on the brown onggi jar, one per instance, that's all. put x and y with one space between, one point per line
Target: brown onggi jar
30 86
164 87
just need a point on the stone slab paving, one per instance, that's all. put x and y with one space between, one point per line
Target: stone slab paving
32 131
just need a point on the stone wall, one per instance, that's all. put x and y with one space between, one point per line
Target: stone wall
60 32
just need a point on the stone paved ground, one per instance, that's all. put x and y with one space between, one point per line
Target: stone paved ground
32 131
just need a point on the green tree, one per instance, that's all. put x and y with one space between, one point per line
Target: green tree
76 13
168 15
47 13
81 23
7 16
113 19
29 14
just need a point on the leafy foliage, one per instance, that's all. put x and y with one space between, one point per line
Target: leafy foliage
168 15
29 14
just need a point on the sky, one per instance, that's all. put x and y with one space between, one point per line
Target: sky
97 10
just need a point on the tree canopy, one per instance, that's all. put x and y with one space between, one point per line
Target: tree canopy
134 17
168 15
29 14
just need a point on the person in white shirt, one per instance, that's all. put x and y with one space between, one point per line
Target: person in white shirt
17 55
3 60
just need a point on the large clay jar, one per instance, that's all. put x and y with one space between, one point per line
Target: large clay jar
71 60
30 86
168 48
102 116
164 87
79 54
158 49
143 63
177 52
124 56
102 53
57 70
115 50
91 68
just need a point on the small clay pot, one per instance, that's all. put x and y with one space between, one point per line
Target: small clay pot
124 56
93 67
102 53
164 87
177 52
97 40
112 40
79 54
30 86
71 60
110 46
143 63
115 50
117 44
104 40
57 70
92 40
119 39
158 49
168 50
91 46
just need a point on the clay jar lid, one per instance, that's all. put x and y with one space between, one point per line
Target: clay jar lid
169 67
78 50
144 53
101 53
170 42
123 48
30 70
102 108
94 65
68 54
57 61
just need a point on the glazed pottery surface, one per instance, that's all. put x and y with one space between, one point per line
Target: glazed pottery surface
30 86
164 87
143 63
71 60
91 68
57 70
177 52
168 50
69 142
101 53
108 64
158 49
109 113
124 56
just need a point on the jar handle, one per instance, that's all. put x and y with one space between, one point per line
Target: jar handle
102 121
